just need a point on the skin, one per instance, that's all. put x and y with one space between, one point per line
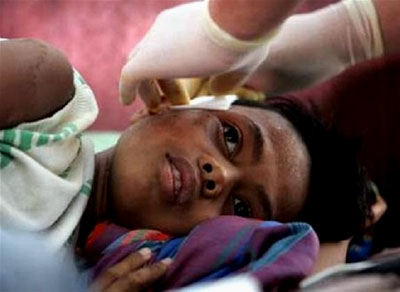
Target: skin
39 82
388 12
248 20
128 183
127 180
131 274
35 81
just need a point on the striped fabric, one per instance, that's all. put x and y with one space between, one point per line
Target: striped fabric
278 255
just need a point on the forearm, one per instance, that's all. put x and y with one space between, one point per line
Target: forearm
388 13
250 19
36 80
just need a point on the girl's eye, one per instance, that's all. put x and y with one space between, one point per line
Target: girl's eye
231 137
241 208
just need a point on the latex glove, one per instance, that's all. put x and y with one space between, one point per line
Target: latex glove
313 47
185 42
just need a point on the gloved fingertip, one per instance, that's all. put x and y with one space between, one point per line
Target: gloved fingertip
125 100
127 95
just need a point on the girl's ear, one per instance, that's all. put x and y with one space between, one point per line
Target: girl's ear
138 115
378 208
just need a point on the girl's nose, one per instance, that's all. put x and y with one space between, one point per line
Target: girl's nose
214 177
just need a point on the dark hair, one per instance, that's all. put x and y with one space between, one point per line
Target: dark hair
339 201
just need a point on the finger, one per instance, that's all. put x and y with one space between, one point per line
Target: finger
193 86
131 263
128 84
149 93
249 94
131 76
174 90
224 83
142 278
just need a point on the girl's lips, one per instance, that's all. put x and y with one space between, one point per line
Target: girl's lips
177 179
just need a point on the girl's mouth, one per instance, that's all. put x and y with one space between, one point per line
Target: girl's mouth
177 178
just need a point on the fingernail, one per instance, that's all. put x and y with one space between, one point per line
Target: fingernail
145 252
127 90
124 98
167 261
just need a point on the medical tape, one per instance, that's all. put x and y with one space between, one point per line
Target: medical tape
209 102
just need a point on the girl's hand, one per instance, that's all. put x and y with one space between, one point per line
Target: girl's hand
131 274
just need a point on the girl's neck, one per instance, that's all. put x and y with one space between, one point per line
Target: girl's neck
97 209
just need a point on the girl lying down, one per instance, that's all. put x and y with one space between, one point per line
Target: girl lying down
173 174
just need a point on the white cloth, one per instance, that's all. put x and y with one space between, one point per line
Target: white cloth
241 282
209 102
46 170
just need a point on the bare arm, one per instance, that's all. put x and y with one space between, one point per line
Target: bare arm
389 19
249 19
35 81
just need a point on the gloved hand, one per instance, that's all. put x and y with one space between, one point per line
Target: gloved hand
313 47
185 42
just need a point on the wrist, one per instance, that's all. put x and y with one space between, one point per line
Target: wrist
249 19
224 38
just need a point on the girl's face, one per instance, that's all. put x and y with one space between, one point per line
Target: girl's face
174 170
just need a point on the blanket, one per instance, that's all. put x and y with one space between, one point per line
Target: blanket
276 254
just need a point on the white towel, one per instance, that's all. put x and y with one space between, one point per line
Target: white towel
46 169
